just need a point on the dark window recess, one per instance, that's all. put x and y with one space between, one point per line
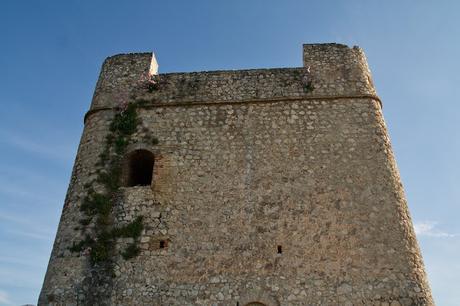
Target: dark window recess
163 244
140 168
280 249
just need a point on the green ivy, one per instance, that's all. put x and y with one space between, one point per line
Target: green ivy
308 87
133 229
131 251
97 206
125 123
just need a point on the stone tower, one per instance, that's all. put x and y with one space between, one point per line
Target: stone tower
248 187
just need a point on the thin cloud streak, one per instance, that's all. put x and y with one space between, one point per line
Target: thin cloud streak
4 298
32 230
33 235
22 261
34 176
22 192
429 229
63 153
26 278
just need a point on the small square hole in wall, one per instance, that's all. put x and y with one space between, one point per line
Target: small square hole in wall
280 249
159 244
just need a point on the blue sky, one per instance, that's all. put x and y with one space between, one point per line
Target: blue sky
51 53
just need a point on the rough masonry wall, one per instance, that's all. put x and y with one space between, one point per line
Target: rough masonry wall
338 71
234 180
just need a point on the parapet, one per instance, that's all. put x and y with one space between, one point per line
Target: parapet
334 63
329 70
118 73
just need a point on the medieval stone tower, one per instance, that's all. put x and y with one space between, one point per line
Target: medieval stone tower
250 187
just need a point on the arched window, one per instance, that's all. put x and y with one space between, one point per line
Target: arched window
139 168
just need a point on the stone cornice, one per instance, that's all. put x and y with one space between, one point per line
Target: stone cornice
247 101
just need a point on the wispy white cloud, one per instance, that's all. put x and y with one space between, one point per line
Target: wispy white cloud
12 218
24 173
62 152
429 229
26 228
22 277
30 187
30 193
33 235
25 260
4 298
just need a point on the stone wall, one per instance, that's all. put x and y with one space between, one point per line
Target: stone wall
334 70
263 191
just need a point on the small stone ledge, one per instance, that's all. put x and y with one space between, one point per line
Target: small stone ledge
154 104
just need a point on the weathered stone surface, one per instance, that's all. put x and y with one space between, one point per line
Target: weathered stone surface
263 191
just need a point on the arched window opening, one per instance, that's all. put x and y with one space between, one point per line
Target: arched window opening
139 168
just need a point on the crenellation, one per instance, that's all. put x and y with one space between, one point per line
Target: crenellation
332 74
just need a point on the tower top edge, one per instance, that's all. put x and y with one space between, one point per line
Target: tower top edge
330 45
128 55
328 69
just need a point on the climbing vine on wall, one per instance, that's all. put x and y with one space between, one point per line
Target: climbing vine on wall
97 223
97 206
